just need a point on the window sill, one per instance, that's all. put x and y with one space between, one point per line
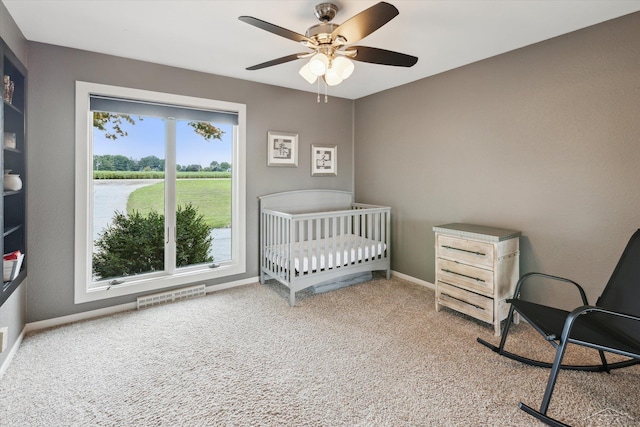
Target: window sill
154 282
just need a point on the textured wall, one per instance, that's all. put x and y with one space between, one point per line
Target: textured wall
543 139
53 72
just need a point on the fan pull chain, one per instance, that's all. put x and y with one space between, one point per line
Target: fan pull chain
318 80
326 90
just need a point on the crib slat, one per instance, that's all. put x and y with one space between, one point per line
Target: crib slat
281 243
376 236
358 229
268 243
387 238
349 239
343 260
325 251
333 242
277 243
273 243
290 256
318 244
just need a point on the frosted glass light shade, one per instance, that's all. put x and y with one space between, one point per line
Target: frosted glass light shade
332 77
306 74
318 64
343 66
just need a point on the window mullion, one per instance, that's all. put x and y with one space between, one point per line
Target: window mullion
170 175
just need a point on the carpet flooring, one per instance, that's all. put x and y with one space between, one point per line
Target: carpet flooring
372 354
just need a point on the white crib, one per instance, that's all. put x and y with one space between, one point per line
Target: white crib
312 237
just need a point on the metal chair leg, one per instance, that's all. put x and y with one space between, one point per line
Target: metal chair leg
553 376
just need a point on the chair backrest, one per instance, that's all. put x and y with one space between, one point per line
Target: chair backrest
622 293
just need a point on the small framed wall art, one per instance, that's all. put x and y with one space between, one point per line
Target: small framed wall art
282 149
324 160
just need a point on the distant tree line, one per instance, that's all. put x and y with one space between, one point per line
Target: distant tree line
118 162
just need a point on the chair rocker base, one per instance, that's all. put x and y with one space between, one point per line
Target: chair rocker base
541 364
541 417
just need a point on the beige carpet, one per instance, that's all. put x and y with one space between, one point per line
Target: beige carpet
374 354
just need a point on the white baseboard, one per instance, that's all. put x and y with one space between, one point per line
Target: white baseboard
71 318
413 280
242 282
11 354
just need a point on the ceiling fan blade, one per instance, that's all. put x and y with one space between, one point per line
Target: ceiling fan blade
277 61
366 22
282 32
381 56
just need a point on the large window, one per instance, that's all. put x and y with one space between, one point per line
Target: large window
160 190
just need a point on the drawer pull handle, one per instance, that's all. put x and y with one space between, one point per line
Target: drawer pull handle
463 275
464 250
463 301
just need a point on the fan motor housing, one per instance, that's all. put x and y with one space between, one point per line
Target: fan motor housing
321 32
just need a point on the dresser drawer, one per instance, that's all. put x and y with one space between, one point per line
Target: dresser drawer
466 276
465 302
467 251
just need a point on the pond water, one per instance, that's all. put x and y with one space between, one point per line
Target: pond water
111 195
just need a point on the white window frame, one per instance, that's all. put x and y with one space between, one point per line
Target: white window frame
84 292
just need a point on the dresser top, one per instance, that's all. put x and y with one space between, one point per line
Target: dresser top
478 232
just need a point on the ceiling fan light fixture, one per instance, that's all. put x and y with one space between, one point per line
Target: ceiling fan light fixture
343 66
306 74
332 77
318 64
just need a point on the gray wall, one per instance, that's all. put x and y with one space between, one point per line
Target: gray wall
53 72
13 311
544 140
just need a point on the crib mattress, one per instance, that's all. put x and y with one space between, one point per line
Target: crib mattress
325 253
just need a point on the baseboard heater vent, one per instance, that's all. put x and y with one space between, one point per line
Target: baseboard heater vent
171 296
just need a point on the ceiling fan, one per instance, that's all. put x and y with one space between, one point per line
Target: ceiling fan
330 44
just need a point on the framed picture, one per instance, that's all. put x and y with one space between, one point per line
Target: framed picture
324 160
282 149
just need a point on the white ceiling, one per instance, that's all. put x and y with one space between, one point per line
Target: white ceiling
207 35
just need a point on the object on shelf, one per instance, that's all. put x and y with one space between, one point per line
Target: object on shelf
12 262
9 140
12 181
7 93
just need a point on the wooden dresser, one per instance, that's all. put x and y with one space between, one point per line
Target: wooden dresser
477 269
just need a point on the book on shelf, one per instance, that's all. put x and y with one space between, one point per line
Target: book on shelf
11 264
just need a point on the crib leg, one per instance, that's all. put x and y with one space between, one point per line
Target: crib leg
292 298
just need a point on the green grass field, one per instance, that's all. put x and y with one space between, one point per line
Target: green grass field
157 175
212 197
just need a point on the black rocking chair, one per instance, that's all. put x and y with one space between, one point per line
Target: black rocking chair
612 325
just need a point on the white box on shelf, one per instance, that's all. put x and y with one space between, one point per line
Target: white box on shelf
9 140
11 268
